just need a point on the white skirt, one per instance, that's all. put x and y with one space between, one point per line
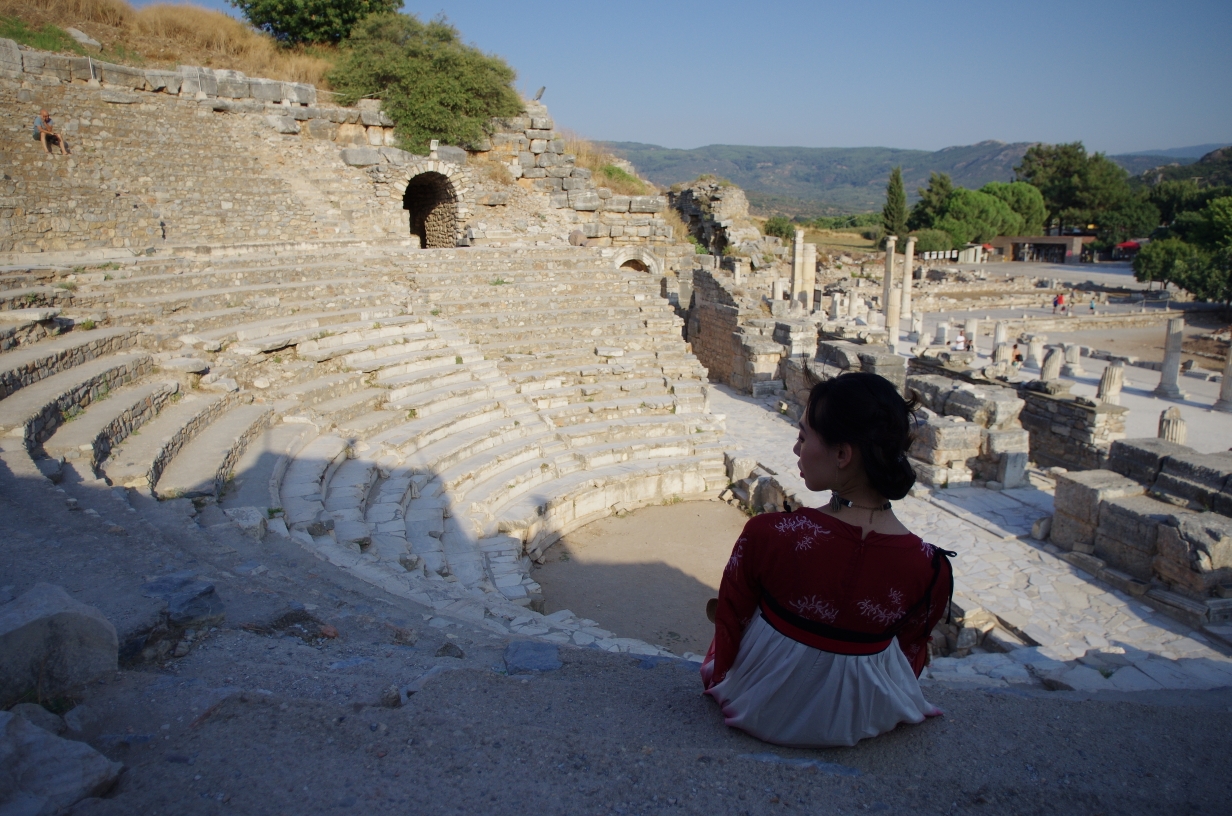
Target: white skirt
781 691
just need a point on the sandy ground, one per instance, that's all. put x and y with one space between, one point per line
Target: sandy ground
647 574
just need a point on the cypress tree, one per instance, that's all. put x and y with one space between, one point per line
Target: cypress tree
894 215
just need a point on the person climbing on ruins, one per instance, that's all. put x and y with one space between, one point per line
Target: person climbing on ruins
823 617
45 132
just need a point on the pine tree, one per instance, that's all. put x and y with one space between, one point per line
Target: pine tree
894 215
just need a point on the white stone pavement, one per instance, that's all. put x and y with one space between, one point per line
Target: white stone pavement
1090 636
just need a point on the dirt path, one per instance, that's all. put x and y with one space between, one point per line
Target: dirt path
648 574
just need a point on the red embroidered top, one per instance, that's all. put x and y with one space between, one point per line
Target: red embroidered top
817 582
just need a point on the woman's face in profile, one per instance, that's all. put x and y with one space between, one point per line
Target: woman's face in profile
815 458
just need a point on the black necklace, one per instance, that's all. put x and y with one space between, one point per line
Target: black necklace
837 503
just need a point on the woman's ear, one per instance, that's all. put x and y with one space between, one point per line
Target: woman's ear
844 454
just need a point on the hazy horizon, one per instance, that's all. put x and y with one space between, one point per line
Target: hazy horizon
1113 75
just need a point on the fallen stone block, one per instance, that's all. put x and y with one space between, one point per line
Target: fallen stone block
252 520
524 656
41 773
52 643
191 603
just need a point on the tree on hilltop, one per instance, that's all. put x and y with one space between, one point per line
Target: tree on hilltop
894 214
310 21
431 84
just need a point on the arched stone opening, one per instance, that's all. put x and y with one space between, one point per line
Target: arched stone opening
638 260
432 203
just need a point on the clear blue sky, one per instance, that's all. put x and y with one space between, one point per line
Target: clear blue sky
1119 75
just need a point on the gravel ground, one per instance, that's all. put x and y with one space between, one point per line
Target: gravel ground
265 715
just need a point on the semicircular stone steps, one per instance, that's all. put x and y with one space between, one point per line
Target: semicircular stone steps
445 415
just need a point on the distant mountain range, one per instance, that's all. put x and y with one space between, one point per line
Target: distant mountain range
812 181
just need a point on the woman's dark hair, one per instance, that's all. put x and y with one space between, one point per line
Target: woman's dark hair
866 411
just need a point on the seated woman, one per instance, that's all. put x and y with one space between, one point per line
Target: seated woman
824 615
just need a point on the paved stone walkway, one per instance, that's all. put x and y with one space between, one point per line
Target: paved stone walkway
1090 637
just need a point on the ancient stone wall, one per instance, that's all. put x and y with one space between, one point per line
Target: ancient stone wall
717 215
1068 431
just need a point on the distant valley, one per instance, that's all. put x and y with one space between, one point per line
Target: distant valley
812 181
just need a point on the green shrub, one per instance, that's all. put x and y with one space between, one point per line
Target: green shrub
310 21
933 240
780 227
431 84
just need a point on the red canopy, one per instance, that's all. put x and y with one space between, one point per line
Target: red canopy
989 246
1128 245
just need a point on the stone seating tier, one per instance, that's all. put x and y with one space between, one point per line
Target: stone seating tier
408 416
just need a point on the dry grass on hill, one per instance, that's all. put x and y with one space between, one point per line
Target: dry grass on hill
607 173
165 35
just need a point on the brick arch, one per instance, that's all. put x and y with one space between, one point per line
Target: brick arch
423 176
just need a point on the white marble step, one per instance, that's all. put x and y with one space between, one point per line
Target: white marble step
36 410
303 484
92 434
203 465
388 332
139 461
29 364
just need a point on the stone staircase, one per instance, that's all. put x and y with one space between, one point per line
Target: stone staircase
431 420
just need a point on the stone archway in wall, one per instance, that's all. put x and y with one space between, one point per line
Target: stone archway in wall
639 260
435 201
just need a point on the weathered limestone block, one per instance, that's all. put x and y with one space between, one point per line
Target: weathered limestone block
121 75
319 129
361 156
1196 555
1194 480
1142 459
282 124
351 134
167 81
584 200
986 406
52 643
647 204
1128 530
1077 502
941 440
43 773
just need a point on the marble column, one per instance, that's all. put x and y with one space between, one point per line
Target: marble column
1051 369
908 266
809 276
776 291
1073 360
972 329
887 282
1224 403
738 271
797 267
894 317
1001 353
1168 388
853 305
1000 333
942 337
1110 383
836 305
1171 426
917 328
1035 351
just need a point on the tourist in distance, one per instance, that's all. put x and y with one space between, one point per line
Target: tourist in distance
960 342
45 132
823 616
